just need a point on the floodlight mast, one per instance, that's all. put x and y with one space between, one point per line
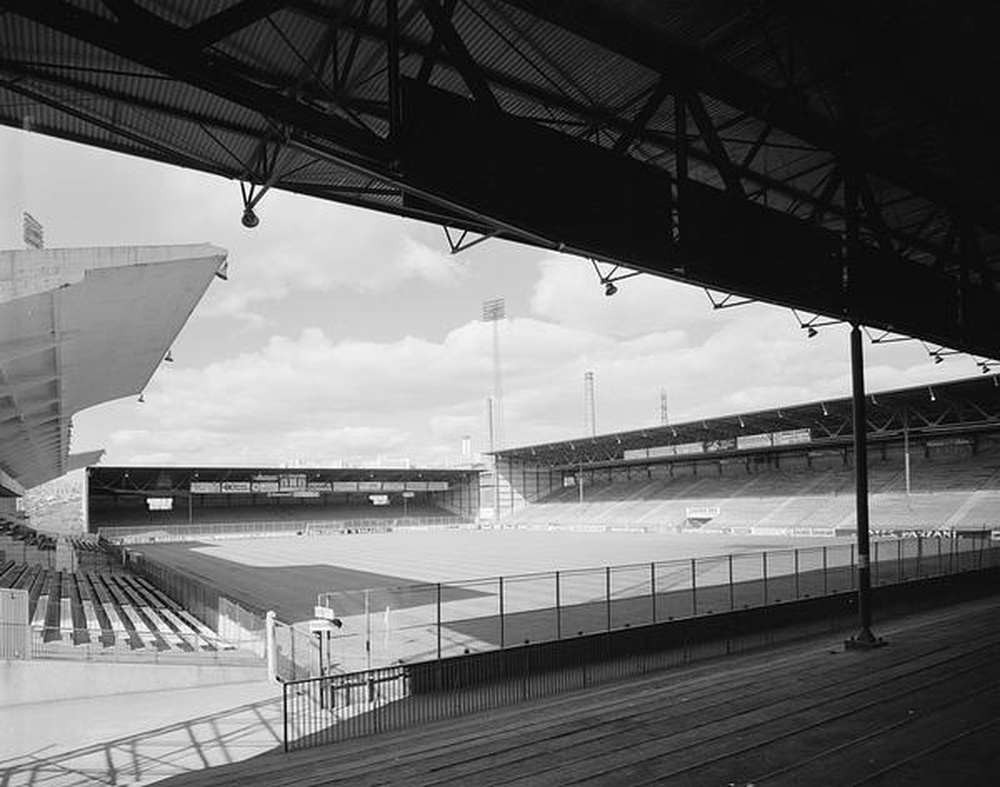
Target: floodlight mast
589 412
494 311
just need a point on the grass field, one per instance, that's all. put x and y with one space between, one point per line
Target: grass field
287 573
401 570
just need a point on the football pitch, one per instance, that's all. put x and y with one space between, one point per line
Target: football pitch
491 588
286 573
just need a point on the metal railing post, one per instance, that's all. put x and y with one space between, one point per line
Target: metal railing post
826 582
764 564
899 560
920 552
558 609
607 593
284 715
853 572
502 643
694 589
652 588
439 619
876 566
796 553
732 593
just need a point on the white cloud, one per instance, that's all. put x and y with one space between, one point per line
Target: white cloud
319 399
568 292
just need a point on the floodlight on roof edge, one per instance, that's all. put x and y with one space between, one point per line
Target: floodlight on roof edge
940 353
727 301
816 321
886 337
460 245
608 279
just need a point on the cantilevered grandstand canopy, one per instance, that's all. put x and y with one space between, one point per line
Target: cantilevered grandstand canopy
834 157
972 404
144 481
79 327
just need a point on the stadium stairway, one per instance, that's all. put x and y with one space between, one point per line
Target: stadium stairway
921 712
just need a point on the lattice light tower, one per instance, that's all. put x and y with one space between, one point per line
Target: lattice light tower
494 311
664 415
589 412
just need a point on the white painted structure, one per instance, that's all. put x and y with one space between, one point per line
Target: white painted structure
79 327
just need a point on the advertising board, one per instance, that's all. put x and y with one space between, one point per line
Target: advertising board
749 441
791 437
205 487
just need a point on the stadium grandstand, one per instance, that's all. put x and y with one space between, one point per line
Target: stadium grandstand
134 504
933 465
832 158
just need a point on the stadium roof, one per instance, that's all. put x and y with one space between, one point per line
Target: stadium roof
144 479
80 327
833 157
969 404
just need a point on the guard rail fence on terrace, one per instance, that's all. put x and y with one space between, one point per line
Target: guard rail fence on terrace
631 620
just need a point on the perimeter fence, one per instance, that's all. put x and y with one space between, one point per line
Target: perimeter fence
169 533
383 627
448 649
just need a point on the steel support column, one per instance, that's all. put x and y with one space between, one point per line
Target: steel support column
863 638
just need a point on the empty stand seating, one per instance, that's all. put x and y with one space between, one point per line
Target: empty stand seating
105 612
949 488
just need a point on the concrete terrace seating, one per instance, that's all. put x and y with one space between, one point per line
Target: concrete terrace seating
946 491
112 612
922 712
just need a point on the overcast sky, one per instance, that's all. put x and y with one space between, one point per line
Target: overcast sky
346 335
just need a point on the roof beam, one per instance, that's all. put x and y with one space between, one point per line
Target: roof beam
156 44
453 44
225 23
720 158
642 117
612 31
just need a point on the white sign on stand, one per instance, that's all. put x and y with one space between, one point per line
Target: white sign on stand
319 626
324 613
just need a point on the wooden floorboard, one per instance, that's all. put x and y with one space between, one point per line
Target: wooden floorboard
923 711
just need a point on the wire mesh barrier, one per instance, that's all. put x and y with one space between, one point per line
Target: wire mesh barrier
168 533
711 607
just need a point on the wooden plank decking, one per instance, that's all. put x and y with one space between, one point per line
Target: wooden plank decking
923 711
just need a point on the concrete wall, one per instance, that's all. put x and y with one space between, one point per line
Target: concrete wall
24 682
